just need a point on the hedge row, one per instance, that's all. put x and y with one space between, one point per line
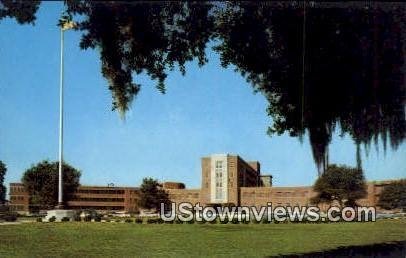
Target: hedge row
176 221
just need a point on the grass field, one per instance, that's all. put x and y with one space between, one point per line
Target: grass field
129 240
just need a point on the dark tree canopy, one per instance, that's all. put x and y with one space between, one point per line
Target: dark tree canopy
22 11
41 182
323 65
152 194
3 189
340 183
319 65
393 196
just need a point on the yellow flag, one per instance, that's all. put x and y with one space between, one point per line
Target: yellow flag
68 25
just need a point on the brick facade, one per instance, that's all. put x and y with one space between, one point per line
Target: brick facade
226 179
86 197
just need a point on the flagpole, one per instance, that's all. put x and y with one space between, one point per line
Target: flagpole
60 179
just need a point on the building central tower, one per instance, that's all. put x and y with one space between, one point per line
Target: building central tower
219 174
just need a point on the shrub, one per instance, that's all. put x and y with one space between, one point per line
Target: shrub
255 221
65 219
87 218
76 216
118 220
235 221
92 213
225 221
4 209
138 220
52 219
128 220
39 219
160 220
10 216
245 220
265 221
97 218
152 221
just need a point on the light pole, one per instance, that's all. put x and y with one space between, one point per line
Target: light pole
65 23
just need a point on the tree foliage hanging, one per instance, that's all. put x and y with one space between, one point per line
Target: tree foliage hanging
319 65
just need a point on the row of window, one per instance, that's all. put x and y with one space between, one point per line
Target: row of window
17 189
291 194
219 164
16 198
17 207
189 195
98 199
277 194
219 179
92 191
98 207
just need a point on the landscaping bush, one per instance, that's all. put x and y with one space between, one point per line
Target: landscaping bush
39 219
65 219
76 216
10 216
52 219
138 220
235 221
98 218
87 218
265 221
225 221
118 220
128 221
152 221
245 220
255 221
160 221
4 208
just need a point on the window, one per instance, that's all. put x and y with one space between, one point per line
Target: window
219 179
219 193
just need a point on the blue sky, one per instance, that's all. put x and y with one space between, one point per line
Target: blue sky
210 110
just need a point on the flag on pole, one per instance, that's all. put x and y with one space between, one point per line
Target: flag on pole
66 22
67 25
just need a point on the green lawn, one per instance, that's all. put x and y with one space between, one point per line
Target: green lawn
124 239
